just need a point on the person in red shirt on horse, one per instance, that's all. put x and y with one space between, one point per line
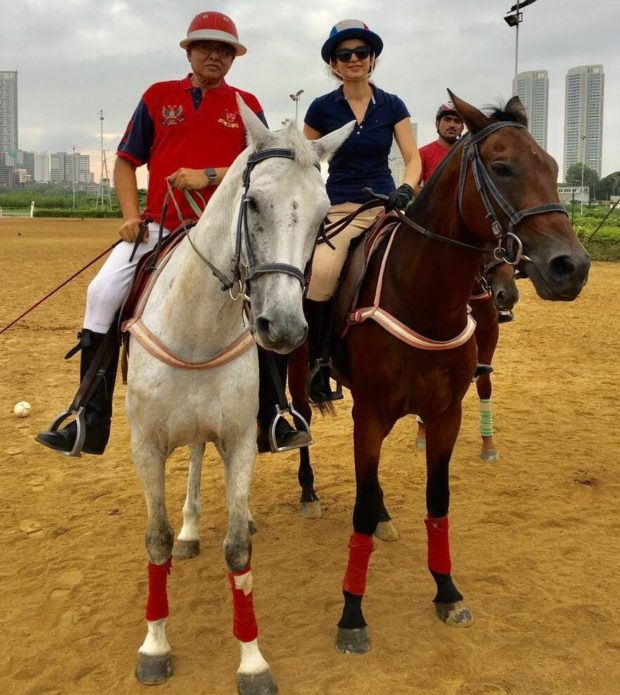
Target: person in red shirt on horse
187 132
449 126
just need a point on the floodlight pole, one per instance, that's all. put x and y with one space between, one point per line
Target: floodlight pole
519 18
513 19
295 98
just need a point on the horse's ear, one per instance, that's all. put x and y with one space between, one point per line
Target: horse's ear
516 108
259 136
474 119
328 144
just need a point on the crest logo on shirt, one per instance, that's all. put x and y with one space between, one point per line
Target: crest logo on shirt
229 119
172 115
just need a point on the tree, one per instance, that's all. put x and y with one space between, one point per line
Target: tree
590 177
609 186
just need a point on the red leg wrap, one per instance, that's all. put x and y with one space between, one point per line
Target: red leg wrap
438 544
244 621
360 547
157 602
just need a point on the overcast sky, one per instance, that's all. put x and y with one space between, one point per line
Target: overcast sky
76 57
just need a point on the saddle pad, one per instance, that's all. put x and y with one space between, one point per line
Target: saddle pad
146 265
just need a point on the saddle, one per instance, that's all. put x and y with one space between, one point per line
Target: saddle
361 251
142 275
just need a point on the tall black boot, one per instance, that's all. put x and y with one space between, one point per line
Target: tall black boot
319 318
97 411
285 436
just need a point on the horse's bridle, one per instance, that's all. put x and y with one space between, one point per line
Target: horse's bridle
251 270
237 282
485 186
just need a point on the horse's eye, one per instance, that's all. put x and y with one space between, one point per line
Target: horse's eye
252 204
500 169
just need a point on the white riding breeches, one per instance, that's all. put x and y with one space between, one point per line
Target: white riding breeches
110 286
327 262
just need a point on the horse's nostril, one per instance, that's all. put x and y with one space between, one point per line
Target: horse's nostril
562 266
262 324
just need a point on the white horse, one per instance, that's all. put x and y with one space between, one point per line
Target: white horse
254 238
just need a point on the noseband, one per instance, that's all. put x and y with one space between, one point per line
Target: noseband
486 187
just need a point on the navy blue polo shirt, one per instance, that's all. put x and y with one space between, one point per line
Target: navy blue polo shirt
362 160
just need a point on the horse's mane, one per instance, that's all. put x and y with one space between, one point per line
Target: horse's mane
293 137
499 113
290 137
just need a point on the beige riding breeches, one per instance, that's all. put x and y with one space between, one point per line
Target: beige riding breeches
327 263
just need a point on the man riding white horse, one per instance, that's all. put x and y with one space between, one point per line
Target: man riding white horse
188 132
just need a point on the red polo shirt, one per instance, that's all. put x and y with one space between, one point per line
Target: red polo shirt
174 126
431 156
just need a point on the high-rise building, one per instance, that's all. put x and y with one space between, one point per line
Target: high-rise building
70 168
583 117
41 167
8 113
532 88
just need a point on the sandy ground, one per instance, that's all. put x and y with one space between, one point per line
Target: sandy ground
535 536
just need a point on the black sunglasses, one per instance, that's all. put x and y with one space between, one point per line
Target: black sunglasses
345 55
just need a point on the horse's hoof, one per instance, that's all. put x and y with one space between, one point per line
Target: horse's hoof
153 669
454 614
252 527
489 455
185 550
352 641
311 510
386 531
256 683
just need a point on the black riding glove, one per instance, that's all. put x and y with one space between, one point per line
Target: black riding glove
400 198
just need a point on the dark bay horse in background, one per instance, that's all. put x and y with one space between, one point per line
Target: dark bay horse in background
495 289
497 187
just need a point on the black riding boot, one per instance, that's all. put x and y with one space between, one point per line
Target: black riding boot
286 437
318 316
98 410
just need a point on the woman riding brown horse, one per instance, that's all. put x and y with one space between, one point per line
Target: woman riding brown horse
496 187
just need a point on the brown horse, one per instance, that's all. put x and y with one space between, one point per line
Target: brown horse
497 186
494 289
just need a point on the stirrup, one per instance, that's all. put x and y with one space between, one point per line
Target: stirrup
481 370
80 423
298 417
319 364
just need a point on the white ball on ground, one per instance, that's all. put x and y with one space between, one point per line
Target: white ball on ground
22 409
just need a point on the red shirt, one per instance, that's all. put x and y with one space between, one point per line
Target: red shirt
175 126
431 156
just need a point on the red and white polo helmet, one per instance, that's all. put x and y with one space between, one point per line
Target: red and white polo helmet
214 26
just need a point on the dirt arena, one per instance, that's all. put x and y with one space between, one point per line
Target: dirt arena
535 536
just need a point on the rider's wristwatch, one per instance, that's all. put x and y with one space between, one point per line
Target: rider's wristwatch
211 176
